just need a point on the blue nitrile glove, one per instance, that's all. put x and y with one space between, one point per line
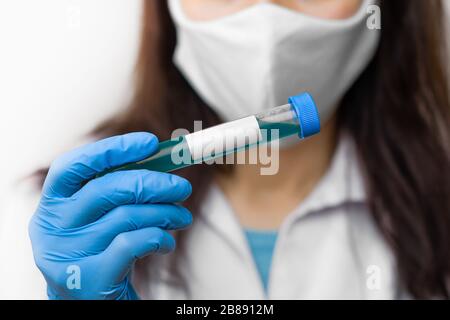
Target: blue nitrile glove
86 238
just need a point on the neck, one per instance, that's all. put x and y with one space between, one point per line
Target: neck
263 201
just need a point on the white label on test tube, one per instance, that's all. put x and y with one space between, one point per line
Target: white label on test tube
228 136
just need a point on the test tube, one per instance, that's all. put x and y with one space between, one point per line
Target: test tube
299 117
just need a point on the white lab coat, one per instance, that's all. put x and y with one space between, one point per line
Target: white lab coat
327 248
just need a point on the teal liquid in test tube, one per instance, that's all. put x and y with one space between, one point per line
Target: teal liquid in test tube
298 117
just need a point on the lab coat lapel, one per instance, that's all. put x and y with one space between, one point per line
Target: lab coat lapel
218 215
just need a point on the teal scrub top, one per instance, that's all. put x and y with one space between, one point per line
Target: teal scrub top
262 244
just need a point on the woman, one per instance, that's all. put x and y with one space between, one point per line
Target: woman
360 211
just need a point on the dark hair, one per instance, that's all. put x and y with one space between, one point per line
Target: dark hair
398 113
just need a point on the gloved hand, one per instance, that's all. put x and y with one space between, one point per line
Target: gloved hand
86 238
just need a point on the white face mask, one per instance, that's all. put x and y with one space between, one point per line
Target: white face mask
255 59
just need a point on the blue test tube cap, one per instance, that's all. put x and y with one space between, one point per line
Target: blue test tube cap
307 114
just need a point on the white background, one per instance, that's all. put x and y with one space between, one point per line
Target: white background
64 66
